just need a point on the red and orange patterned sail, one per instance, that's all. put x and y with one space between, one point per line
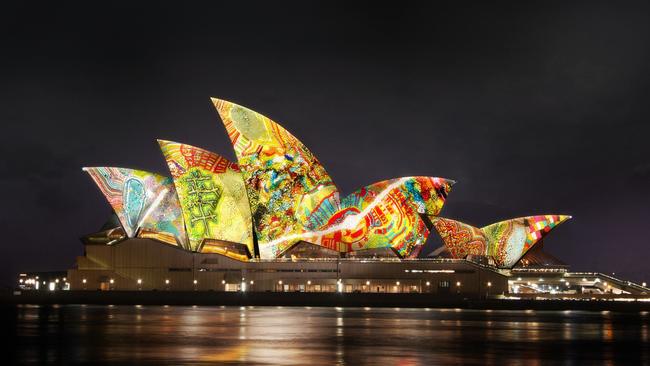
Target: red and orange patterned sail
384 215
459 238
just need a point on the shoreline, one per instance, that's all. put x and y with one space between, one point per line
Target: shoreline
210 298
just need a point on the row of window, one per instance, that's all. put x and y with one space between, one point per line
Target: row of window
250 270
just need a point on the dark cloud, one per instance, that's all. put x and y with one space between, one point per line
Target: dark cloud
532 107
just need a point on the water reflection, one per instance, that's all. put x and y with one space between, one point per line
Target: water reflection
321 336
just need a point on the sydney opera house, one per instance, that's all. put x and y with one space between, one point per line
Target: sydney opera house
275 221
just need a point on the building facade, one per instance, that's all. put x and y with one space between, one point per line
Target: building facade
146 264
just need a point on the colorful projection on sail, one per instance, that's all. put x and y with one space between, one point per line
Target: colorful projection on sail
284 180
506 241
382 215
145 203
212 196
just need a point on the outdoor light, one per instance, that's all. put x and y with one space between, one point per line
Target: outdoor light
243 286
340 286
584 280
397 283
112 281
368 283
195 282
166 282
252 282
643 284
51 286
428 283
57 280
139 281
489 284
309 282
280 282
223 282
21 281
458 283
518 278
83 281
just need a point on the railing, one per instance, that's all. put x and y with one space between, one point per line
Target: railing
615 280
397 260
380 260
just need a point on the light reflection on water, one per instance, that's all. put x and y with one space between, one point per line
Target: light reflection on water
321 336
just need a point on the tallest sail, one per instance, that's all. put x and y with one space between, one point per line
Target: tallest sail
286 184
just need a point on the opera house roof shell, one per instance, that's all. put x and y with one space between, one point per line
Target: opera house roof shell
278 200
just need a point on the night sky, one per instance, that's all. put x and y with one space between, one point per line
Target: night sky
533 109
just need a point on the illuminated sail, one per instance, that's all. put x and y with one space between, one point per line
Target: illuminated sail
145 203
212 197
286 184
506 241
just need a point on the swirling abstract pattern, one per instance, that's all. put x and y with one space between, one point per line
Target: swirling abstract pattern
284 180
385 215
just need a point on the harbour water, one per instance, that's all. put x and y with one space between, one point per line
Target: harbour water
88 334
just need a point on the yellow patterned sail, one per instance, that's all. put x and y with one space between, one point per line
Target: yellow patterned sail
286 184
212 197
